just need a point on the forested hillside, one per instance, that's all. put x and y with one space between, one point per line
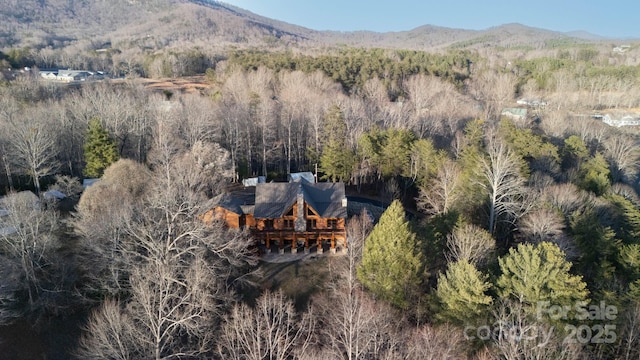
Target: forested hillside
58 24
124 37
160 38
506 234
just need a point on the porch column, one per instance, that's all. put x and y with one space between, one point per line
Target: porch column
294 245
319 249
281 244
333 243
267 242
306 244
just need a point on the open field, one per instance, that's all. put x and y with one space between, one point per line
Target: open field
184 85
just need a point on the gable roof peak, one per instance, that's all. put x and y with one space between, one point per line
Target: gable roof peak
274 199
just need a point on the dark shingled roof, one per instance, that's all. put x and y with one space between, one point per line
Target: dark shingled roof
236 203
274 199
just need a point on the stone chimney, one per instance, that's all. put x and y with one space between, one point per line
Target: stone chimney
300 222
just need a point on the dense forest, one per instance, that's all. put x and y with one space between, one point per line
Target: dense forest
523 240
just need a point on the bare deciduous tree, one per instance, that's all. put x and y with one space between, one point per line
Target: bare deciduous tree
359 328
192 118
346 323
293 97
263 111
385 331
124 111
494 90
555 123
27 238
376 101
624 157
626 192
173 300
108 334
70 134
471 243
499 176
104 210
443 189
431 343
270 330
204 168
630 333
33 148
175 270
178 275
518 336
591 132
545 224
430 105
68 185
568 198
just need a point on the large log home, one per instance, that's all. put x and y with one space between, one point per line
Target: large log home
295 213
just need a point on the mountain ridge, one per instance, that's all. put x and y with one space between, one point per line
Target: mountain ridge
155 24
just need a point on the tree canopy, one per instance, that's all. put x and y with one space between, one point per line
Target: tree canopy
99 150
392 266
534 273
337 160
462 292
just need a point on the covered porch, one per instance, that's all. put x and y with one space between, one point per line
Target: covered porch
292 241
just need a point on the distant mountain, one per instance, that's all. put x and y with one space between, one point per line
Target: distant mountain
512 35
146 23
422 38
155 24
57 23
586 35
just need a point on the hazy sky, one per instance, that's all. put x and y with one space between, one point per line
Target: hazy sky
612 18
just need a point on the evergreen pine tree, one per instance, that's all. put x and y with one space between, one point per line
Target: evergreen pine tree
462 293
99 150
574 152
595 175
598 247
535 273
626 217
337 161
392 265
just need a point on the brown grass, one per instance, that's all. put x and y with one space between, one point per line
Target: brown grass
184 85
299 280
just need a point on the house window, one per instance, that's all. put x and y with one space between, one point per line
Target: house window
290 212
268 224
288 224
311 212
311 224
332 223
